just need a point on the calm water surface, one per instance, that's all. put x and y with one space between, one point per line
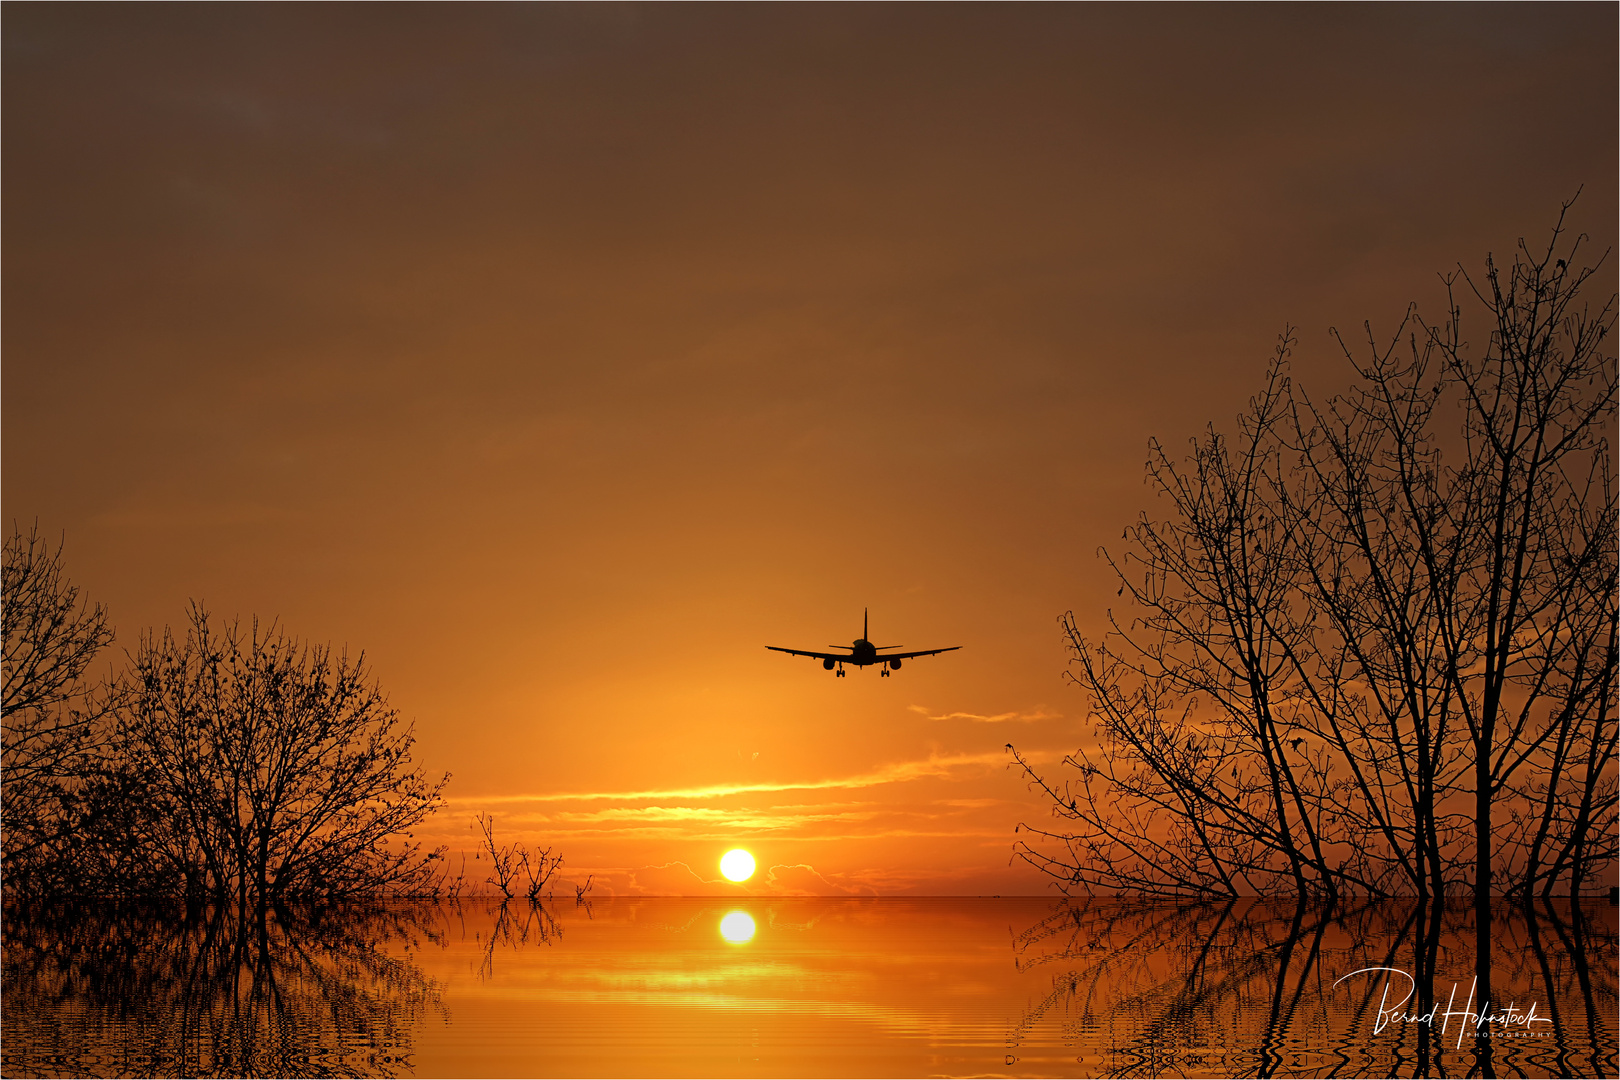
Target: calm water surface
808 987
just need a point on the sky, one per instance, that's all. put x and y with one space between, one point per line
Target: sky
561 357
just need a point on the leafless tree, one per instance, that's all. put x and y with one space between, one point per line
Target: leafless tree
507 860
452 887
50 711
1371 651
539 869
503 859
1530 631
285 770
1199 783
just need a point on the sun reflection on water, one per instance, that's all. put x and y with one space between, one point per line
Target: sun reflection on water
737 927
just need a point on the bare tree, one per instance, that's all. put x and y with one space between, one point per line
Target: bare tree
503 859
1467 581
284 769
506 860
50 712
539 870
1198 783
1531 628
1370 651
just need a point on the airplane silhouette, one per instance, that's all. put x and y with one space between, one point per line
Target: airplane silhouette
862 654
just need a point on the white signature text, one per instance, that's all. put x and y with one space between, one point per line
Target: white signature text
1467 1017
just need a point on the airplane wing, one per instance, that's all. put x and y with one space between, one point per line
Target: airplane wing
844 656
919 652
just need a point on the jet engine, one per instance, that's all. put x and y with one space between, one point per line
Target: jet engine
828 664
895 664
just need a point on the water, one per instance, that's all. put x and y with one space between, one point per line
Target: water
804 987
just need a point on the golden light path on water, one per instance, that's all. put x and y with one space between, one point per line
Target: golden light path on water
738 927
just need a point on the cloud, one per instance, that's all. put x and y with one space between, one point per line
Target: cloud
679 879
1040 713
740 819
801 879
900 772
998 833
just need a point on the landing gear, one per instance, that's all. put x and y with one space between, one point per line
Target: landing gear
839 673
884 673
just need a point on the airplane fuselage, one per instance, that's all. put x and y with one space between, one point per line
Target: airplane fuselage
863 652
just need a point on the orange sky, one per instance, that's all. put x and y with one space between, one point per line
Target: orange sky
563 357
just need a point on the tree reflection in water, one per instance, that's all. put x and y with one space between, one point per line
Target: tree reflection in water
124 990
1247 988
515 924
1099 987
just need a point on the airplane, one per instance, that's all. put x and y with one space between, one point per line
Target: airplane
862 654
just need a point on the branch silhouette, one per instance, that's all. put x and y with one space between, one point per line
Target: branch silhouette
1371 649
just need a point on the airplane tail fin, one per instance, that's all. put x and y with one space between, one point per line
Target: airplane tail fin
866 635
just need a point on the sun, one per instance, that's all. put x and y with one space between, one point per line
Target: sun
737 865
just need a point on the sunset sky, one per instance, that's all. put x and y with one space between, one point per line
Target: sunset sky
562 357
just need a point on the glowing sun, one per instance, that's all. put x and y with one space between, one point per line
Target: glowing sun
737 865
